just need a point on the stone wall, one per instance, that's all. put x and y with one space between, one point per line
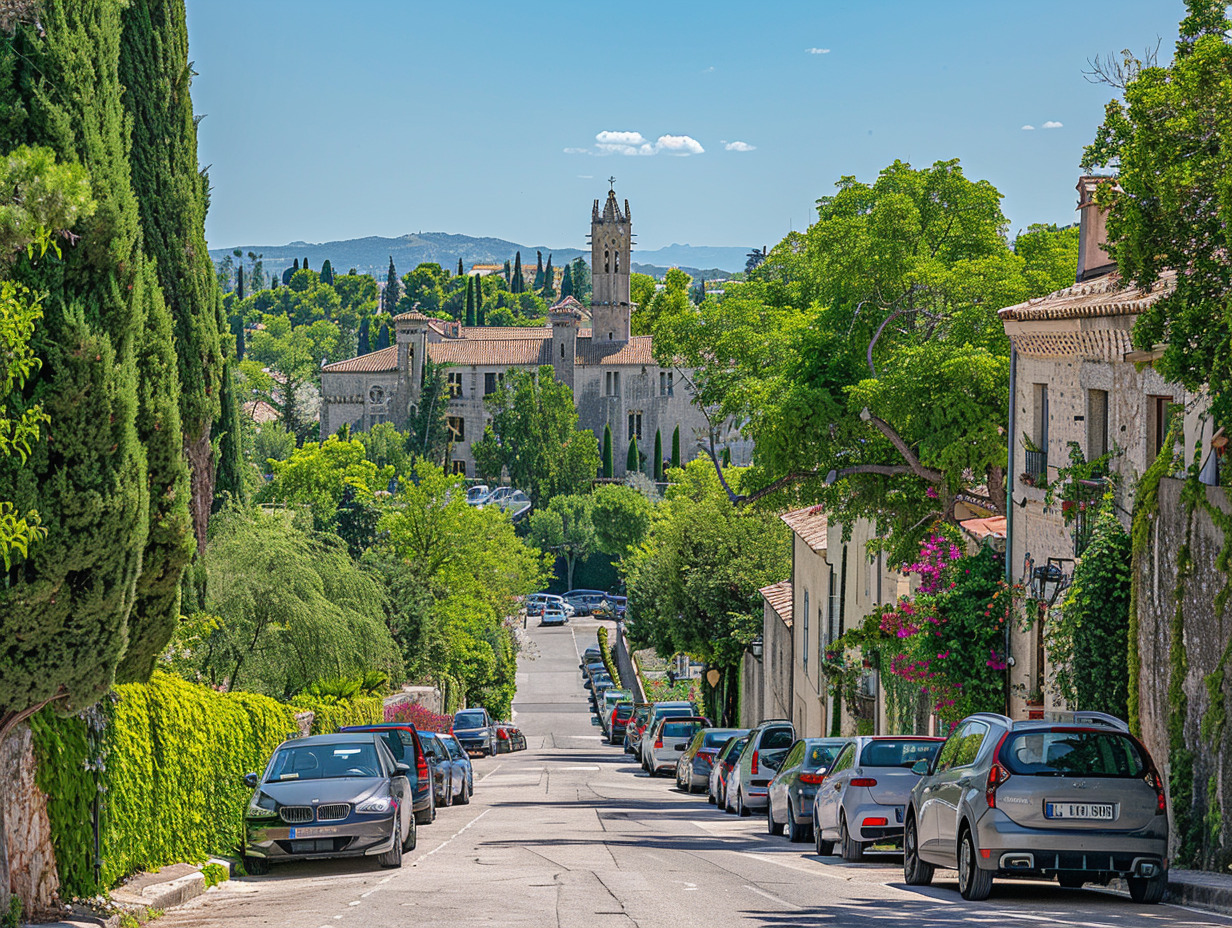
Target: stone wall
624 663
25 830
1200 825
752 690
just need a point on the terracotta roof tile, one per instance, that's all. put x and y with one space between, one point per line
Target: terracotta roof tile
637 350
412 316
490 332
385 359
1102 296
779 596
492 353
811 525
567 306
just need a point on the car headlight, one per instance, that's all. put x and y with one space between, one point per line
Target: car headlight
261 806
375 806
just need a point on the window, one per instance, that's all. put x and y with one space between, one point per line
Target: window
1037 450
805 649
635 425
1097 424
844 760
1157 424
459 468
562 349
492 382
665 383
611 383
794 756
457 428
821 639
834 607
455 385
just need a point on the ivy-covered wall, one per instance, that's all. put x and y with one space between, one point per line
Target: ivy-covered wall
1179 654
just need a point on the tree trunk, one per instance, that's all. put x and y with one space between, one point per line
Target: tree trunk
200 456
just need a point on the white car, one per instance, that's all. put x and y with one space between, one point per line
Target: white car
663 746
477 494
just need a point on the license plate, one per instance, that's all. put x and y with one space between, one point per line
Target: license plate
1088 811
314 832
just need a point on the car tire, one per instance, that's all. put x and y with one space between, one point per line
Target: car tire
797 832
824 848
974 884
1147 891
741 809
915 871
393 857
412 837
464 796
710 797
772 827
427 816
256 866
853 851
1071 880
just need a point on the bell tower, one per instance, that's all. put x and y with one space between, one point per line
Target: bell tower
611 245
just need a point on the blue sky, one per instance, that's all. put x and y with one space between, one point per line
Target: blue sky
331 121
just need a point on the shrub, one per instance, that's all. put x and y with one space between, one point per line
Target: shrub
422 718
330 714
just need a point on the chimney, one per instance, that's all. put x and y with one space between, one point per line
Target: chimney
1093 260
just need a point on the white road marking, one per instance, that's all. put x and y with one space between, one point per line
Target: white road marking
490 772
590 767
762 892
451 837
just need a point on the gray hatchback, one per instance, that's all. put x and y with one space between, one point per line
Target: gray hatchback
1074 798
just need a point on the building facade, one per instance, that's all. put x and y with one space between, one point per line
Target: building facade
615 379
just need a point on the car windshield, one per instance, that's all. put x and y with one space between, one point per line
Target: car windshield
716 738
681 729
895 753
777 738
734 749
325 762
624 710
1073 753
821 755
468 720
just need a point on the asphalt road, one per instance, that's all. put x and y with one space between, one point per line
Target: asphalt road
571 833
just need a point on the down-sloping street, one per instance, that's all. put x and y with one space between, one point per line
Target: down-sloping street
571 833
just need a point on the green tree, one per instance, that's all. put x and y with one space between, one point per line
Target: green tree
363 345
460 271
327 273
642 289
517 283
273 441
389 296
658 456
508 273
533 434
566 282
470 302
672 300
422 288
284 365
621 518
549 281
1166 210
479 307
317 475
428 425
609 468
383 339
538 284
385 446
633 458
229 485
676 447
564 530
580 276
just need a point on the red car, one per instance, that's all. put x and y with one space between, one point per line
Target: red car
622 713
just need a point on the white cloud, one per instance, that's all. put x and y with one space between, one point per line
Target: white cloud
739 146
678 145
613 142
1028 128
817 51
577 151
608 137
708 70
587 176
1052 125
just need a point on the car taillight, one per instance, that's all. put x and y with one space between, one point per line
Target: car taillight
502 734
659 742
812 779
754 763
705 759
862 781
1161 797
875 822
997 775
421 767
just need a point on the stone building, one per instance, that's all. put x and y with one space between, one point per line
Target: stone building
613 374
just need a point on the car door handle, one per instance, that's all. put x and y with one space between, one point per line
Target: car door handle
966 782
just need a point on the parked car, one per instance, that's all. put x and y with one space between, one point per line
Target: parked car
404 743
477 494
442 768
473 727
591 653
585 601
598 684
866 791
658 710
1074 798
553 616
662 747
340 795
724 761
749 779
618 721
497 496
794 787
464 771
509 739
611 699
633 729
696 763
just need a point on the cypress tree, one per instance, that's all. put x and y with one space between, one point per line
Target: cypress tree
633 460
658 456
237 330
230 483
382 337
327 273
304 266
549 280
389 298
295 267
566 283
727 457
470 301
239 282
609 466
460 271
676 447
538 271
365 342
517 285
66 607
479 310
508 274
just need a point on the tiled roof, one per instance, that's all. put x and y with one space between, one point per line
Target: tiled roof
567 306
779 596
412 316
385 359
636 350
1102 296
811 525
492 353
486 332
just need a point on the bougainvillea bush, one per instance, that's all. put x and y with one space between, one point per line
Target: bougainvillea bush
423 719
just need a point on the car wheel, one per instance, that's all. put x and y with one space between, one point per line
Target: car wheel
710 797
772 826
256 866
725 802
915 871
824 848
449 794
392 857
853 851
973 883
464 795
412 837
1147 891
741 809
796 831
428 815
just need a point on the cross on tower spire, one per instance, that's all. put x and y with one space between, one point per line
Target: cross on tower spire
612 181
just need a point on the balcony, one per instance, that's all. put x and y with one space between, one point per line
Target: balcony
1036 472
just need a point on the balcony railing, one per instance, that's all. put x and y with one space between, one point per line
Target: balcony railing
1084 510
1036 473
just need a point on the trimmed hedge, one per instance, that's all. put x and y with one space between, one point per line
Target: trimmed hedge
605 652
328 715
167 758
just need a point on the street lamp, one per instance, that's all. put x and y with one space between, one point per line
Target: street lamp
757 646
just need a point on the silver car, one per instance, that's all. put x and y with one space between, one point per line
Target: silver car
729 753
1075 797
795 786
664 743
864 796
749 779
658 711
463 773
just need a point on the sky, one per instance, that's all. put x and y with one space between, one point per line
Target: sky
722 122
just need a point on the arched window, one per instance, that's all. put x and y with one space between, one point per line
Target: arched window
618 262
607 262
562 349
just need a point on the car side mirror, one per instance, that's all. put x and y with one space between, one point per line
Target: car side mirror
251 780
920 768
401 770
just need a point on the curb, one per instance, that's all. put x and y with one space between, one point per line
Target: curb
1209 891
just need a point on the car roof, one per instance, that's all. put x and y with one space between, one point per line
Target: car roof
342 737
372 727
589 592
672 704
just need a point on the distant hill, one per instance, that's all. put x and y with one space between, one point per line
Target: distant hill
371 255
